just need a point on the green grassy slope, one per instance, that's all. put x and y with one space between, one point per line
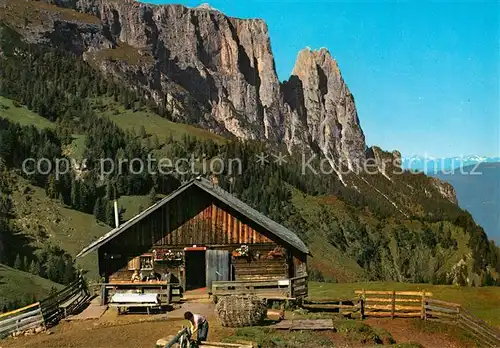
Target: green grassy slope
325 257
133 205
153 123
480 301
22 115
67 228
342 265
70 229
22 287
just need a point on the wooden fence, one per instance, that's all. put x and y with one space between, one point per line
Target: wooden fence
21 319
279 289
347 307
420 304
46 312
455 314
392 304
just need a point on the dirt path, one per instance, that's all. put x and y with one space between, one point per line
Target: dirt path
124 331
404 331
137 331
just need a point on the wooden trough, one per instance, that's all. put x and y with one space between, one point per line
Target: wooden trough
306 324
163 342
172 341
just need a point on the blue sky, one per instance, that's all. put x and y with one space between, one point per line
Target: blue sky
425 76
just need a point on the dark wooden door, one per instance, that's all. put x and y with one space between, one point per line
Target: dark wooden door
195 269
217 266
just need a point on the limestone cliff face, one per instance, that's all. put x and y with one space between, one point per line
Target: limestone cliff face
445 189
388 163
324 104
219 72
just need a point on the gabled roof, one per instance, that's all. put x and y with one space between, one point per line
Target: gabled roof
275 228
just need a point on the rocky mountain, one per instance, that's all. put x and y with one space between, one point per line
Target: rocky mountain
223 66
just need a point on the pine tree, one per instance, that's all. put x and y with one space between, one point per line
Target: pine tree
35 267
52 268
69 272
18 263
110 214
25 264
156 142
75 194
83 198
110 191
97 209
152 196
142 132
169 139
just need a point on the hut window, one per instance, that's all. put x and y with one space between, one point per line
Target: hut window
146 262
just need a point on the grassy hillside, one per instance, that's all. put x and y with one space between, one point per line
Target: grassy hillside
20 114
331 219
480 301
153 123
48 221
334 265
21 287
133 205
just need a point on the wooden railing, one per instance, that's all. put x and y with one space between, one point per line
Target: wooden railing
71 297
347 307
46 312
420 304
454 313
21 319
406 304
292 288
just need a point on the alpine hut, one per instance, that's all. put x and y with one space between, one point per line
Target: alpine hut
202 237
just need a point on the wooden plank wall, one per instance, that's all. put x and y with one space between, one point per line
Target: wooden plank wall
213 226
191 219
261 269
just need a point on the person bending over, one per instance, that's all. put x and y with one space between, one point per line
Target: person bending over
199 326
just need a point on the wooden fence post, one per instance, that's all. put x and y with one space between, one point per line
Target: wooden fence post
393 307
423 316
362 305
169 293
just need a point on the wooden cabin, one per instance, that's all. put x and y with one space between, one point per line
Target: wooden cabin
202 237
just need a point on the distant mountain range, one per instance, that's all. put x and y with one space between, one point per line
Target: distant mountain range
478 191
433 166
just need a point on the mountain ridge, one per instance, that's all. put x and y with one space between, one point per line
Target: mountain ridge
226 66
434 165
